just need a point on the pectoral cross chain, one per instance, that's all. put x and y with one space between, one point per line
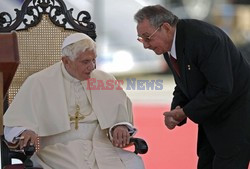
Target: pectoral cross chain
78 116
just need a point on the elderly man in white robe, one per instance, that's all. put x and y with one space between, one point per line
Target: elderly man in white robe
73 126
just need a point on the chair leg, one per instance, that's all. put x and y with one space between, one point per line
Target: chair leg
15 166
4 154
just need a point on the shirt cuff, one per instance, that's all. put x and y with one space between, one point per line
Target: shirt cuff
131 129
11 132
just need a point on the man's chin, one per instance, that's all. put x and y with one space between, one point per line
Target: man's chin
158 52
87 78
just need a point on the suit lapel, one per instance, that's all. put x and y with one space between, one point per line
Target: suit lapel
181 60
178 79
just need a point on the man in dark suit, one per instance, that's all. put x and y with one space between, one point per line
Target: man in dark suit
212 84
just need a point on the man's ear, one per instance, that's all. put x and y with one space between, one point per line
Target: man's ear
65 60
166 26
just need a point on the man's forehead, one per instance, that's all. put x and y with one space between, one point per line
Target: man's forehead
143 28
144 23
88 54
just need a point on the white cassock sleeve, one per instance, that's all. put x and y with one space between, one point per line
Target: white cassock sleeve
11 132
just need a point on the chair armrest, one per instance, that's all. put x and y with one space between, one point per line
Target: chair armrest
29 150
141 146
13 151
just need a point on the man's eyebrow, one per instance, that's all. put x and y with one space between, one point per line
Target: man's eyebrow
87 59
145 34
82 60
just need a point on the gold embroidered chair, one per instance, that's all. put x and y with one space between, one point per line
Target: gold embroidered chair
41 26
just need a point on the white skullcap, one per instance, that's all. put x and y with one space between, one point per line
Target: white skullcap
73 38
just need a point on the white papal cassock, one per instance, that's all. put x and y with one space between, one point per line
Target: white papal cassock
48 98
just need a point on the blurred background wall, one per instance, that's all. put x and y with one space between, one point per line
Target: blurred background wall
118 50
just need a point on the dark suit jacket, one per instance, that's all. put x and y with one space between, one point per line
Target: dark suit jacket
214 84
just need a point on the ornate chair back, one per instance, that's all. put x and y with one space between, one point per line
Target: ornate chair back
41 26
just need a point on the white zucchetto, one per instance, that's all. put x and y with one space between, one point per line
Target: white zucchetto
73 38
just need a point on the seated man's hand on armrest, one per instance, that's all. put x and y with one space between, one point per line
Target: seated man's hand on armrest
120 136
30 137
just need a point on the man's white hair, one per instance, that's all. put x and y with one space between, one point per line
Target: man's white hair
75 43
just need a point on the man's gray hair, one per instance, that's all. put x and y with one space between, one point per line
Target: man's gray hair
156 15
73 50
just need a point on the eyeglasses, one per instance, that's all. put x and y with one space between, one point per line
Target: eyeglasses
147 38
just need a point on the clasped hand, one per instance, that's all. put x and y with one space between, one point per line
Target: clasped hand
174 117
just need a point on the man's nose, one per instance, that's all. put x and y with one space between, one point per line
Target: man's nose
92 66
146 45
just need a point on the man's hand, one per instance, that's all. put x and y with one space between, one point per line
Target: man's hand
169 121
174 117
120 136
29 136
